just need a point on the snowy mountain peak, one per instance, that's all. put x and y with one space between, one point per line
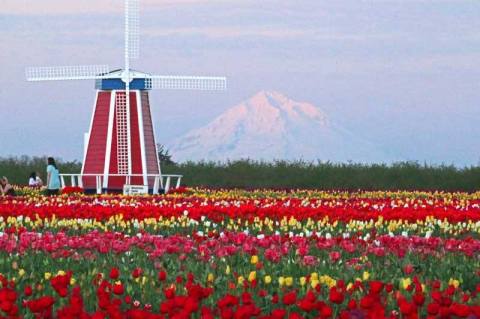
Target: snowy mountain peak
273 101
268 126
266 95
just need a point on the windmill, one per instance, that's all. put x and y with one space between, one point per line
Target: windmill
120 147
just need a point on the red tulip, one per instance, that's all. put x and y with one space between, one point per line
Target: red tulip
408 269
118 289
162 275
289 298
28 291
137 272
336 296
114 273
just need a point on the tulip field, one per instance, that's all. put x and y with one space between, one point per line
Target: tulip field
203 253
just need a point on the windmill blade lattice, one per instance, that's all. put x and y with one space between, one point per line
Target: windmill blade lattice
132 20
173 82
71 72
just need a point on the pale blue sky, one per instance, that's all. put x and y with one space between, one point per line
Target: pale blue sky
404 74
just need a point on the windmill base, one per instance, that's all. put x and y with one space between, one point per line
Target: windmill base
92 191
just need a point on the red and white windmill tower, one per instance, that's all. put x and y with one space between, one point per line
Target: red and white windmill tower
120 147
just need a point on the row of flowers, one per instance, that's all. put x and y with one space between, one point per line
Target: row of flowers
270 213
220 193
169 223
233 262
274 248
137 293
372 200
202 253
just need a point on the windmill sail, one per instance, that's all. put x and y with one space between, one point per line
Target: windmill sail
71 72
179 82
132 19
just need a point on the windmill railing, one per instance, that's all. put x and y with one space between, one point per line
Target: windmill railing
76 180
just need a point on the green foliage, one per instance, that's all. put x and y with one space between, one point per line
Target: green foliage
283 174
351 176
18 169
164 156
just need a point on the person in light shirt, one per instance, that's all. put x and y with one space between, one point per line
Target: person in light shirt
53 178
35 180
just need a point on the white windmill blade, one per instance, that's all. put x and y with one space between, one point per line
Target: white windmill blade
72 72
179 82
132 28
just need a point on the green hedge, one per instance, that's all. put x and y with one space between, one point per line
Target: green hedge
18 169
283 174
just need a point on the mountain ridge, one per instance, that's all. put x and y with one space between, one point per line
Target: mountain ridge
270 126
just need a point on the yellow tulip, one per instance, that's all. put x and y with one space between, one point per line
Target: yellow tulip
47 275
289 281
210 277
303 281
240 280
454 282
252 276
365 275
405 282
267 279
254 259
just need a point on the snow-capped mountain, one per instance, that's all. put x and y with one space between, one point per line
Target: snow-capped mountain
270 126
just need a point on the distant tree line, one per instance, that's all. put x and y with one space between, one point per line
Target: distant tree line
283 174
19 168
328 176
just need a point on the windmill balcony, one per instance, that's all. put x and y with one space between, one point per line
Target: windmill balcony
162 182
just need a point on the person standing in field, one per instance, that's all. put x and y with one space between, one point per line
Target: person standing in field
53 177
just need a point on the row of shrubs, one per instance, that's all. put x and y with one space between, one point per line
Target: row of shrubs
346 176
283 174
18 169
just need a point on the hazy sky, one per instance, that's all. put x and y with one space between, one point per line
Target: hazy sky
404 74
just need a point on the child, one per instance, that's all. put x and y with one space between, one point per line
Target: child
35 180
